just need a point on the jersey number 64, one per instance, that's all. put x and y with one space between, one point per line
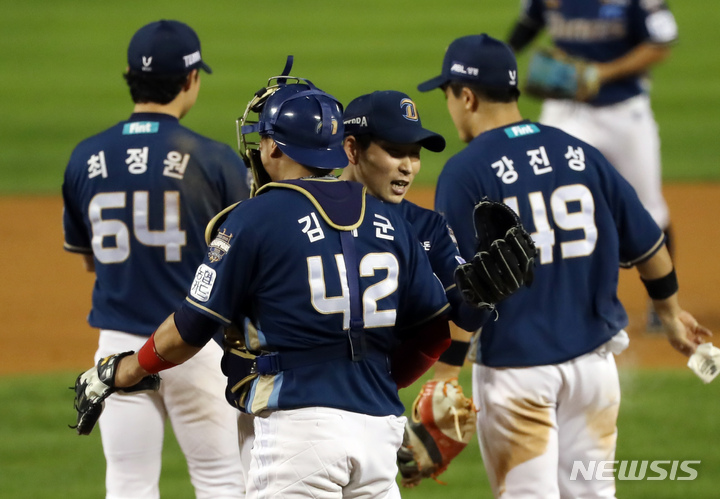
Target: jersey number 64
111 237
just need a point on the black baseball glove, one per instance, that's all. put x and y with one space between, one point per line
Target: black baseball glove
505 258
95 385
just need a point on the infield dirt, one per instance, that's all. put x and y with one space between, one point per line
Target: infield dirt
45 292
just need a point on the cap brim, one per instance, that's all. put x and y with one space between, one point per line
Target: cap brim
205 67
432 84
429 140
327 158
434 143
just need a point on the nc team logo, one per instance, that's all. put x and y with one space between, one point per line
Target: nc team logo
513 77
410 111
147 61
219 246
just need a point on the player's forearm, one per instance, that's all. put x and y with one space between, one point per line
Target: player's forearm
451 360
637 61
659 265
163 350
523 33
658 276
89 263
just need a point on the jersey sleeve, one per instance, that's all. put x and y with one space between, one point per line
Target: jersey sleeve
653 22
444 254
455 200
222 282
77 238
531 13
424 295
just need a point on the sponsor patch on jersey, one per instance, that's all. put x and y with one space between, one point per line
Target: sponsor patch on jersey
203 283
219 246
521 130
138 127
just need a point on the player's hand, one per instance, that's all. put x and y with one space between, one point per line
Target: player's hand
442 423
685 333
96 384
505 259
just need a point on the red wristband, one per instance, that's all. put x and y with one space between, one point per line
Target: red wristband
149 358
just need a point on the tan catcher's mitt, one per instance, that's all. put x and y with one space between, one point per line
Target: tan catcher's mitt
442 423
552 74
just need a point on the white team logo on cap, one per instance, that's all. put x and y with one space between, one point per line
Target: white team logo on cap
513 77
147 61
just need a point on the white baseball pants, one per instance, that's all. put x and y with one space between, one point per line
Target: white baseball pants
192 397
627 135
325 453
534 423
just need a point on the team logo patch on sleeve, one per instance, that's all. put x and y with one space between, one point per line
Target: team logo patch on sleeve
203 283
219 246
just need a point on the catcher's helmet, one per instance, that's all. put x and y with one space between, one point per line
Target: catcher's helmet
305 122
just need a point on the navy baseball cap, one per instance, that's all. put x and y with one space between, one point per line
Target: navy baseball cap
392 116
479 59
165 47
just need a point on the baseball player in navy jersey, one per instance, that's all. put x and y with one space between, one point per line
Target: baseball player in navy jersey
336 301
624 39
544 377
384 137
137 199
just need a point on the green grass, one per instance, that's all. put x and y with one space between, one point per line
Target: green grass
665 415
61 65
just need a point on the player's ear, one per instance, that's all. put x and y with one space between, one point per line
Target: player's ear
192 77
470 100
274 151
351 149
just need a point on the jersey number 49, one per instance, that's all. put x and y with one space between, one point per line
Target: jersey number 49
573 209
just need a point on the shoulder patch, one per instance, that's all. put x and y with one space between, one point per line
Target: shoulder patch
203 283
214 225
219 246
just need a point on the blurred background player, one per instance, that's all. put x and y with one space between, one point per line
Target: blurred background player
624 40
137 199
544 378
342 304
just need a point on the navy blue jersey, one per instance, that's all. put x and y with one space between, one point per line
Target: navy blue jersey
585 219
600 30
138 197
296 260
437 238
